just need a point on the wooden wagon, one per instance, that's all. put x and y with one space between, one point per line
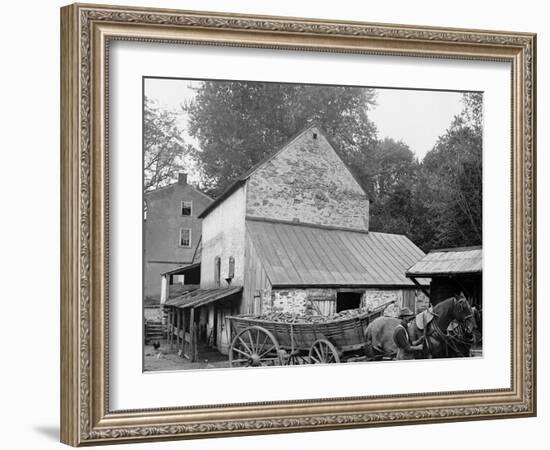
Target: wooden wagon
262 342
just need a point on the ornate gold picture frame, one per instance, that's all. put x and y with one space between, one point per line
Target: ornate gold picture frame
86 34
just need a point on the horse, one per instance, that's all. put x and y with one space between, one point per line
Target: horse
437 343
465 335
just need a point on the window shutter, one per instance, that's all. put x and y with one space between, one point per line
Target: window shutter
231 269
217 270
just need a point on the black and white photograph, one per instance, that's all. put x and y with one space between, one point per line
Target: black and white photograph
294 224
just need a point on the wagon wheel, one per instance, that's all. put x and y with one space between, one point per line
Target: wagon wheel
323 352
255 346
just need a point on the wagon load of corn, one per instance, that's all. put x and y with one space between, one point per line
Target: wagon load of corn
278 316
278 338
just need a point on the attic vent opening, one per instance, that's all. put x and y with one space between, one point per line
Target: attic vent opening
314 135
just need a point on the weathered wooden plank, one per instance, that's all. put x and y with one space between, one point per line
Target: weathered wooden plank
193 333
183 331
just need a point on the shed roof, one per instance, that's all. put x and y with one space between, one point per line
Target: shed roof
177 290
453 261
202 297
296 254
181 270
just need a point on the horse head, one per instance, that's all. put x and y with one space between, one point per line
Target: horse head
464 314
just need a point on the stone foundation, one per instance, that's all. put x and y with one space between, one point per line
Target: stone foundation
323 301
373 298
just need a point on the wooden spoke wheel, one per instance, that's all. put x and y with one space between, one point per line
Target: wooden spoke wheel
253 347
323 352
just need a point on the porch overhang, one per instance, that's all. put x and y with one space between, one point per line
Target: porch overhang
202 297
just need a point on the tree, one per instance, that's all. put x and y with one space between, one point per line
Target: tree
438 202
452 173
236 124
395 166
396 207
163 146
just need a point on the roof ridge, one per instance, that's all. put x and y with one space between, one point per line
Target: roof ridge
171 185
304 224
457 249
315 225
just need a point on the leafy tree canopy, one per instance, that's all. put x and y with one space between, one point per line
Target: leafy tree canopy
436 202
237 124
452 180
163 146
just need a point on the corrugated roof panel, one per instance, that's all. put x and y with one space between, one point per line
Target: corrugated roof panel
361 251
302 246
377 268
337 268
309 255
449 261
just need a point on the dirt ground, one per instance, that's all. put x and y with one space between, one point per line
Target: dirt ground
166 359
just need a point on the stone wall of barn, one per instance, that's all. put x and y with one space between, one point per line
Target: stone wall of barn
323 301
308 182
373 298
298 301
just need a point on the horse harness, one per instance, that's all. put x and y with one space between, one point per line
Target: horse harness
448 340
435 331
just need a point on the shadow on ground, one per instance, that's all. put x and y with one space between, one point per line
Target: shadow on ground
49 431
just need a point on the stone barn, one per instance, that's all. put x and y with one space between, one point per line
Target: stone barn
292 235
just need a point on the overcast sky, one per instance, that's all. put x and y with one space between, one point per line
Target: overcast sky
415 117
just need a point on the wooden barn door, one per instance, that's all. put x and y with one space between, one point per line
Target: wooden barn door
409 299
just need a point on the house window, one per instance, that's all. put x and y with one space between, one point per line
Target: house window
185 237
217 270
186 208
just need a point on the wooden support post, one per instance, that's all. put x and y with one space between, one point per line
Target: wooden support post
171 328
178 325
183 314
192 334
163 290
422 288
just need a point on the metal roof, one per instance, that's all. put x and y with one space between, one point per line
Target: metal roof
202 297
448 262
296 254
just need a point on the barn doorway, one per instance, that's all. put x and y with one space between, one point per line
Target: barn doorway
348 300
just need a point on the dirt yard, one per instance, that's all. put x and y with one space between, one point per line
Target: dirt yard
166 359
